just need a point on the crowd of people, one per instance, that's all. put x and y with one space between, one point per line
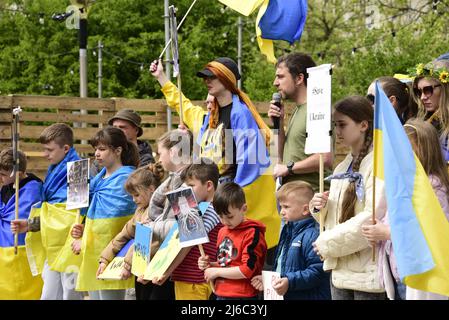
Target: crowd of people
223 154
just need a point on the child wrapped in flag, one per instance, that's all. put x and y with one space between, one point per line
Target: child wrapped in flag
110 209
49 224
16 280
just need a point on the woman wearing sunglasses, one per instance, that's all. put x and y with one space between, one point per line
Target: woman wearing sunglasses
399 95
431 90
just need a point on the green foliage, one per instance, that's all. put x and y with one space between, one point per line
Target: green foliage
40 58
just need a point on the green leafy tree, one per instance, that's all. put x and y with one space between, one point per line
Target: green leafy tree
361 39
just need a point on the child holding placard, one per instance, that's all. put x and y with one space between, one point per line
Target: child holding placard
188 278
110 208
140 185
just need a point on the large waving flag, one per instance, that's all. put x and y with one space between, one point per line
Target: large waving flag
419 228
279 20
245 7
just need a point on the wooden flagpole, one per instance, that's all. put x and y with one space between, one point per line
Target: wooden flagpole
321 190
16 170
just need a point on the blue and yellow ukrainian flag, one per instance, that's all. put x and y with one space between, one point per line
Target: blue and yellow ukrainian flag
254 171
245 7
279 20
53 242
419 228
16 279
110 209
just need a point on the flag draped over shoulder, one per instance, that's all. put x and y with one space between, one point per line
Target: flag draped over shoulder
56 223
245 7
279 20
253 172
419 228
55 185
16 279
110 208
53 241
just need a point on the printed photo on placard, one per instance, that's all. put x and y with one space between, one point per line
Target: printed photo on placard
187 212
77 184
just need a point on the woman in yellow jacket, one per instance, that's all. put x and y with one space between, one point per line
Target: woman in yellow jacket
232 117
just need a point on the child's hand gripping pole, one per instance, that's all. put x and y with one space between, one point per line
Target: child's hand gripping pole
203 254
15 143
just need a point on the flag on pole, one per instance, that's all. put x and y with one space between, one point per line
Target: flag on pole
174 40
245 7
279 20
419 228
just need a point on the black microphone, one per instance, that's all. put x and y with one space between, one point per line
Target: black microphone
277 98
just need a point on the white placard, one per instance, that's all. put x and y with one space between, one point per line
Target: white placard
77 184
319 110
267 279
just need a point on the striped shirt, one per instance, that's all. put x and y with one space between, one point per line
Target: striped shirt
188 270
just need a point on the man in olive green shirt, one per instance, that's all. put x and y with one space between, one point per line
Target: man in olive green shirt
291 82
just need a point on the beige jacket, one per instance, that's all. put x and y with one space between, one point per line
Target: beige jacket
345 250
120 240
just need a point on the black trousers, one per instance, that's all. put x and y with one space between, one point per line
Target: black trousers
152 291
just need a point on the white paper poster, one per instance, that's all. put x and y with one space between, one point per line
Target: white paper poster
77 184
267 279
319 110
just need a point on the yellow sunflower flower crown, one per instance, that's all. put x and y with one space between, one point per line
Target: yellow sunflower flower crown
429 70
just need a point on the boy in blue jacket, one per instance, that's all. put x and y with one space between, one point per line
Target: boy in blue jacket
301 270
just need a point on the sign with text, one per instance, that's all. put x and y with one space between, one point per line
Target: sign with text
142 249
114 269
267 279
319 111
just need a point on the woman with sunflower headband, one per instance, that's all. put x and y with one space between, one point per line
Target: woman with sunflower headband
431 90
233 135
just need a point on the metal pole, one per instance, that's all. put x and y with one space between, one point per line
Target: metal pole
167 57
100 78
100 69
83 57
239 50
83 65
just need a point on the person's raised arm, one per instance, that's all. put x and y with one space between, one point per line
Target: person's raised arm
192 116
157 70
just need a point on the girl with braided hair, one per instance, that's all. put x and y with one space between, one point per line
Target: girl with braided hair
348 205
